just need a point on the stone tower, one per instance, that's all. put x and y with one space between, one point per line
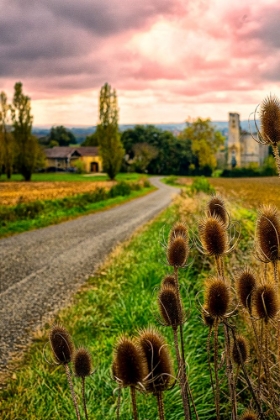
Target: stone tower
234 146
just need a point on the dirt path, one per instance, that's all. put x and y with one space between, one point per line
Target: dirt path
40 270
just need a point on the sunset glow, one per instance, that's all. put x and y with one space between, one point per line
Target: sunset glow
167 59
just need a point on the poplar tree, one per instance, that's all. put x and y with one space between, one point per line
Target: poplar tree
7 145
110 146
28 152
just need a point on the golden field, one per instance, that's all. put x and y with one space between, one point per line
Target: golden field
12 193
251 192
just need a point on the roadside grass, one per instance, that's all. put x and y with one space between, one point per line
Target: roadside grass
120 299
70 177
56 211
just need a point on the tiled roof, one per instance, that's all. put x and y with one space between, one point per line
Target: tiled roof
60 152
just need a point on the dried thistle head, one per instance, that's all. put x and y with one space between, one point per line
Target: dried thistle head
268 233
216 208
240 350
61 344
82 363
179 229
217 297
129 364
270 120
249 415
177 252
246 283
213 236
265 302
158 360
170 306
169 280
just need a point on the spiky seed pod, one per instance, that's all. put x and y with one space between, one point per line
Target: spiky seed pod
82 363
168 281
129 362
270 120
216 208
265 302
177 252
249 415
207 318
245 285
178 230
268 233
213 236
170 306
240 350
61 344
158 361
217 297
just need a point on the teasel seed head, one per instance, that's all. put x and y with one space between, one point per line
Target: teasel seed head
129 364
177 252
240 350
179 229
82 363
61 344
245 285
217 297
265 302
270 120
249 415
268 233
158 361
213 236
216 208
207 318
168 281
170 306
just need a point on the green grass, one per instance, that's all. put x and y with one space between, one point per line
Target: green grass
57 211
69 177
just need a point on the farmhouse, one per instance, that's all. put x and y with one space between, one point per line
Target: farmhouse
64 158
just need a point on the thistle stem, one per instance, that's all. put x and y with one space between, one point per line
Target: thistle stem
276 156
84 397
133 401
160 405
73 395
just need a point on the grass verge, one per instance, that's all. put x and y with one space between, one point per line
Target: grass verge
58 211
70 177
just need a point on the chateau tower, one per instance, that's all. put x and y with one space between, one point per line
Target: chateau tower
234 145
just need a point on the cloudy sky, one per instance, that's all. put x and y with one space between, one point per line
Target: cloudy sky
167 59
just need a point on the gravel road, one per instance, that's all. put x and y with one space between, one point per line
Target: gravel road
40 270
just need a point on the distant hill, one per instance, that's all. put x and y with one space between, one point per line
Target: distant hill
81 132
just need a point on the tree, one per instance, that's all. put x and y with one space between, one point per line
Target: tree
61 136
110 145
205 142
91 140
28 152
7 144
144 153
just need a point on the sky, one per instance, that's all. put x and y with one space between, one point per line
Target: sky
169 60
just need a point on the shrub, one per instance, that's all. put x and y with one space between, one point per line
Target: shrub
202 184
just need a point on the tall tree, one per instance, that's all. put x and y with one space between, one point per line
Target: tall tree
205 142
110 145
7 144
28 151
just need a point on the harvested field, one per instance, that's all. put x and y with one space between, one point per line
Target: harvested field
250 191
12 193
